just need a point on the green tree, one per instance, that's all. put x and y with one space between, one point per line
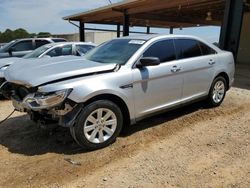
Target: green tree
20 33
9 35
44 34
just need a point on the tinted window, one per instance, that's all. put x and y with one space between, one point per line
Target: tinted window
40 43
83 49
206 50
164 50
59 51
6 47
187 48
23 46
59 40
37 52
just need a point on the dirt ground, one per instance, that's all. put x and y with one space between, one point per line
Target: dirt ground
190 147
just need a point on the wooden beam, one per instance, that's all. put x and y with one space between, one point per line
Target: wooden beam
126 24
231 27
102 16
180 19
171 30
118 30
159 5
82 32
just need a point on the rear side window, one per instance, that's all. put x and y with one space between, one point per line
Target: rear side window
23 46
60 51
40 43
206 50
59 40
83 49
187 48
164 50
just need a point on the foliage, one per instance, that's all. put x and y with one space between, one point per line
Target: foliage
9 35
44 34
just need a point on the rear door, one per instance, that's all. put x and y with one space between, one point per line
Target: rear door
157 87
196 66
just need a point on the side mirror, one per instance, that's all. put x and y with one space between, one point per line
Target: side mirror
148 61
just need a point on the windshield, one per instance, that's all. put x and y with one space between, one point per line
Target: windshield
6 46
115 51
36 53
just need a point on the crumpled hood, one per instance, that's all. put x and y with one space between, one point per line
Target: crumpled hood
8 61
35 72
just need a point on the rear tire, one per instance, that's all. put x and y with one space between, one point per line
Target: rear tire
98 125
217 92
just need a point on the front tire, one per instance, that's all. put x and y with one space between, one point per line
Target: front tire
98 125
217 92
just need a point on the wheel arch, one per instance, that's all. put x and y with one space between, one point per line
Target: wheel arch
224 75
118 101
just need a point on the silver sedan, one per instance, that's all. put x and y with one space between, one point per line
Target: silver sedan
119 83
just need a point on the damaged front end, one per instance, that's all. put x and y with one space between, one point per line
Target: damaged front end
43 108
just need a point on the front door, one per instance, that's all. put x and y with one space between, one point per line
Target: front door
157 87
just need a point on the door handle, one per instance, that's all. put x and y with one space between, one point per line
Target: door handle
211 62
175 69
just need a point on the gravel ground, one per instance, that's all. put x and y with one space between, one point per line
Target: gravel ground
190 147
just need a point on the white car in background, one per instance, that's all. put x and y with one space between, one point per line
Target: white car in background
49 50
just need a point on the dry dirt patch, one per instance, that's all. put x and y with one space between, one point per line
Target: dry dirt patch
189 147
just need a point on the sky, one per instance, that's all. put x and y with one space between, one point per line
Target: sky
46 16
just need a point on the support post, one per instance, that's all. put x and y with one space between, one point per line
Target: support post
118 30
171 30
125 24
231 26
82 32
148 29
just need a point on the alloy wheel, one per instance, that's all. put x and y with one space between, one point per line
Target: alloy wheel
100 125
218 91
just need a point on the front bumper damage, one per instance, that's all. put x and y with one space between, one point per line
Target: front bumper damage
64 113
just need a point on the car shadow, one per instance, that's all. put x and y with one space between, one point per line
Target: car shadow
20 135
157 120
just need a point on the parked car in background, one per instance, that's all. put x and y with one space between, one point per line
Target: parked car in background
49 50
119 83
21 47
2 44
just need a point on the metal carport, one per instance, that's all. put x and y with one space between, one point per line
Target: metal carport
170 14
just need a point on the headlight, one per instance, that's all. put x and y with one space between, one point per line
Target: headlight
39 101
4 67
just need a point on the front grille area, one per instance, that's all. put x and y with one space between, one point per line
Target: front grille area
19 92
2 80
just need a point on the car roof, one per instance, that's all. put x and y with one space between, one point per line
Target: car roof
69 43
147 37
39 38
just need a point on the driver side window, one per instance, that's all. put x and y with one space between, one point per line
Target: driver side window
164 50
23 46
